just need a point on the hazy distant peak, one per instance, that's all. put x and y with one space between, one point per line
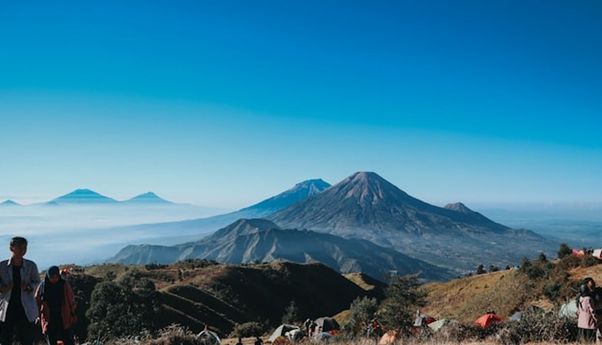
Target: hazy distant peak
148 197
9 203
83 196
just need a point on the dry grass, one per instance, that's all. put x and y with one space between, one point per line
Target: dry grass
467 299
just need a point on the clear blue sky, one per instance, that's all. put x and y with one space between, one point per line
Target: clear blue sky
223 103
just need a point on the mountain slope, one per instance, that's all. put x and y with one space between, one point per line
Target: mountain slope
259 240
266 207
197 292
367 206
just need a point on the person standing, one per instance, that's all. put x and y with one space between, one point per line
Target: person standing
57 308
18 308
586 312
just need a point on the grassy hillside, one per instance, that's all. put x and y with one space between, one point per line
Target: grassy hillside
193 293
504 292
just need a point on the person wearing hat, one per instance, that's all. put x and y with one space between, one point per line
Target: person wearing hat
18 310
57 308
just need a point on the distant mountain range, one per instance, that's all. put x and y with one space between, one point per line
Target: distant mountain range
373 226
259 240
90 197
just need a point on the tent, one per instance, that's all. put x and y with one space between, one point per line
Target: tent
516 316
388 338
323 336
578 252
532 309
423 319
327 324
208 338
295 334
597 253
281 331
487 320
437 325
569 309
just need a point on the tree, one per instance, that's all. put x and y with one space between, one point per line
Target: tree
564 251
403 296
291 313
124 308
542 258
480 269
493 268
362 310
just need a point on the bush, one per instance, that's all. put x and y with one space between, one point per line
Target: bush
361 311
124 308
537 326
248 329
588 261
291 313
564 251
403 296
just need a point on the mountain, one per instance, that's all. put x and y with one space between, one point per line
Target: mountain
196 227
300 191
9 203
259 240
83 197
148 198
366 206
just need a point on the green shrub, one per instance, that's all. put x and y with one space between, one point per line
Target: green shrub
248 329
537 326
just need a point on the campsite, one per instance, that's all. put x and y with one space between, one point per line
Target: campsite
284 303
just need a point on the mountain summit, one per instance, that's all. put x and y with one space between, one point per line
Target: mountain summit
148 198
300 191
83 197
366 201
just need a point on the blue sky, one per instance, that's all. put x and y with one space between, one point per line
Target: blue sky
223 103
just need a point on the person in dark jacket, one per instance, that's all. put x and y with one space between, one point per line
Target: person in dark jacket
57 308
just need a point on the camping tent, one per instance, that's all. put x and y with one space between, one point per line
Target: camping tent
422 319
487 320
327 324
388 338
437 325
208 338
597 253
281 330
323 336
569 309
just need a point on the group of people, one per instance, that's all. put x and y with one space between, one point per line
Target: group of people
27 302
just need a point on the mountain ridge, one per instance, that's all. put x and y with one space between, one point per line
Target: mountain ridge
260 240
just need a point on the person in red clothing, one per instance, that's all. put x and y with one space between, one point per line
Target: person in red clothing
57 308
